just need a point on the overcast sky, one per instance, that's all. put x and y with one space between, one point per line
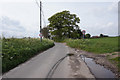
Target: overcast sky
20 18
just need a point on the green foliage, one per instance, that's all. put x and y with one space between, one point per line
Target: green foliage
101 35
45 32
16 51
99 45
87 36
116 61
64 24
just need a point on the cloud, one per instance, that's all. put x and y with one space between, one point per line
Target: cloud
11 27
112 7
110 24
108 9
23 17
109 28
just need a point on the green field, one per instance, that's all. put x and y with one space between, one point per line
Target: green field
116 61
98 45
16 51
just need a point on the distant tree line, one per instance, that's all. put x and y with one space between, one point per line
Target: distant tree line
101 35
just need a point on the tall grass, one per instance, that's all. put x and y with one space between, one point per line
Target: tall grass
16 51
116 61
98 45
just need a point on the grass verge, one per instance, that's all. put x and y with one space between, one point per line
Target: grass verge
116 61
98 46
16 51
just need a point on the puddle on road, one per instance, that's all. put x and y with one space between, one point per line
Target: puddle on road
98 70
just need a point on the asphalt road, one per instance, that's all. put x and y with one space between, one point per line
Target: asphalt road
40 65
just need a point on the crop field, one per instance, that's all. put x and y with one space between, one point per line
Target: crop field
98 45
16 51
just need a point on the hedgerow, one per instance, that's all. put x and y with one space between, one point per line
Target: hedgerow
16 51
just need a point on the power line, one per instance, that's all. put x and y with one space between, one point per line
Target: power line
44 18
37 3
42 13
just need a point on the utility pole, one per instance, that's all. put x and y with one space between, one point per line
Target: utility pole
40 22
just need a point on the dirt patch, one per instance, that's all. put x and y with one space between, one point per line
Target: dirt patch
102 59
78 67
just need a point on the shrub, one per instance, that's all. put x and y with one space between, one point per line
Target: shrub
16 51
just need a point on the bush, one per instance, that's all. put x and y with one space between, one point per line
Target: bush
58 39
16 51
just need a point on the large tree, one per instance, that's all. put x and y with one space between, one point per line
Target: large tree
63 24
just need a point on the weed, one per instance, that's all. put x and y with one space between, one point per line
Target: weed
16 51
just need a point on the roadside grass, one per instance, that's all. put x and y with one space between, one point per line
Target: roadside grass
113 54
108 45
116 61
16 51
98 45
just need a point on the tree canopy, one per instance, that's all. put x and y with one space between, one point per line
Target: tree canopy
45 32
88 35
64 24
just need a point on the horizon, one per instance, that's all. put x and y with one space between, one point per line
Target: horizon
21 19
